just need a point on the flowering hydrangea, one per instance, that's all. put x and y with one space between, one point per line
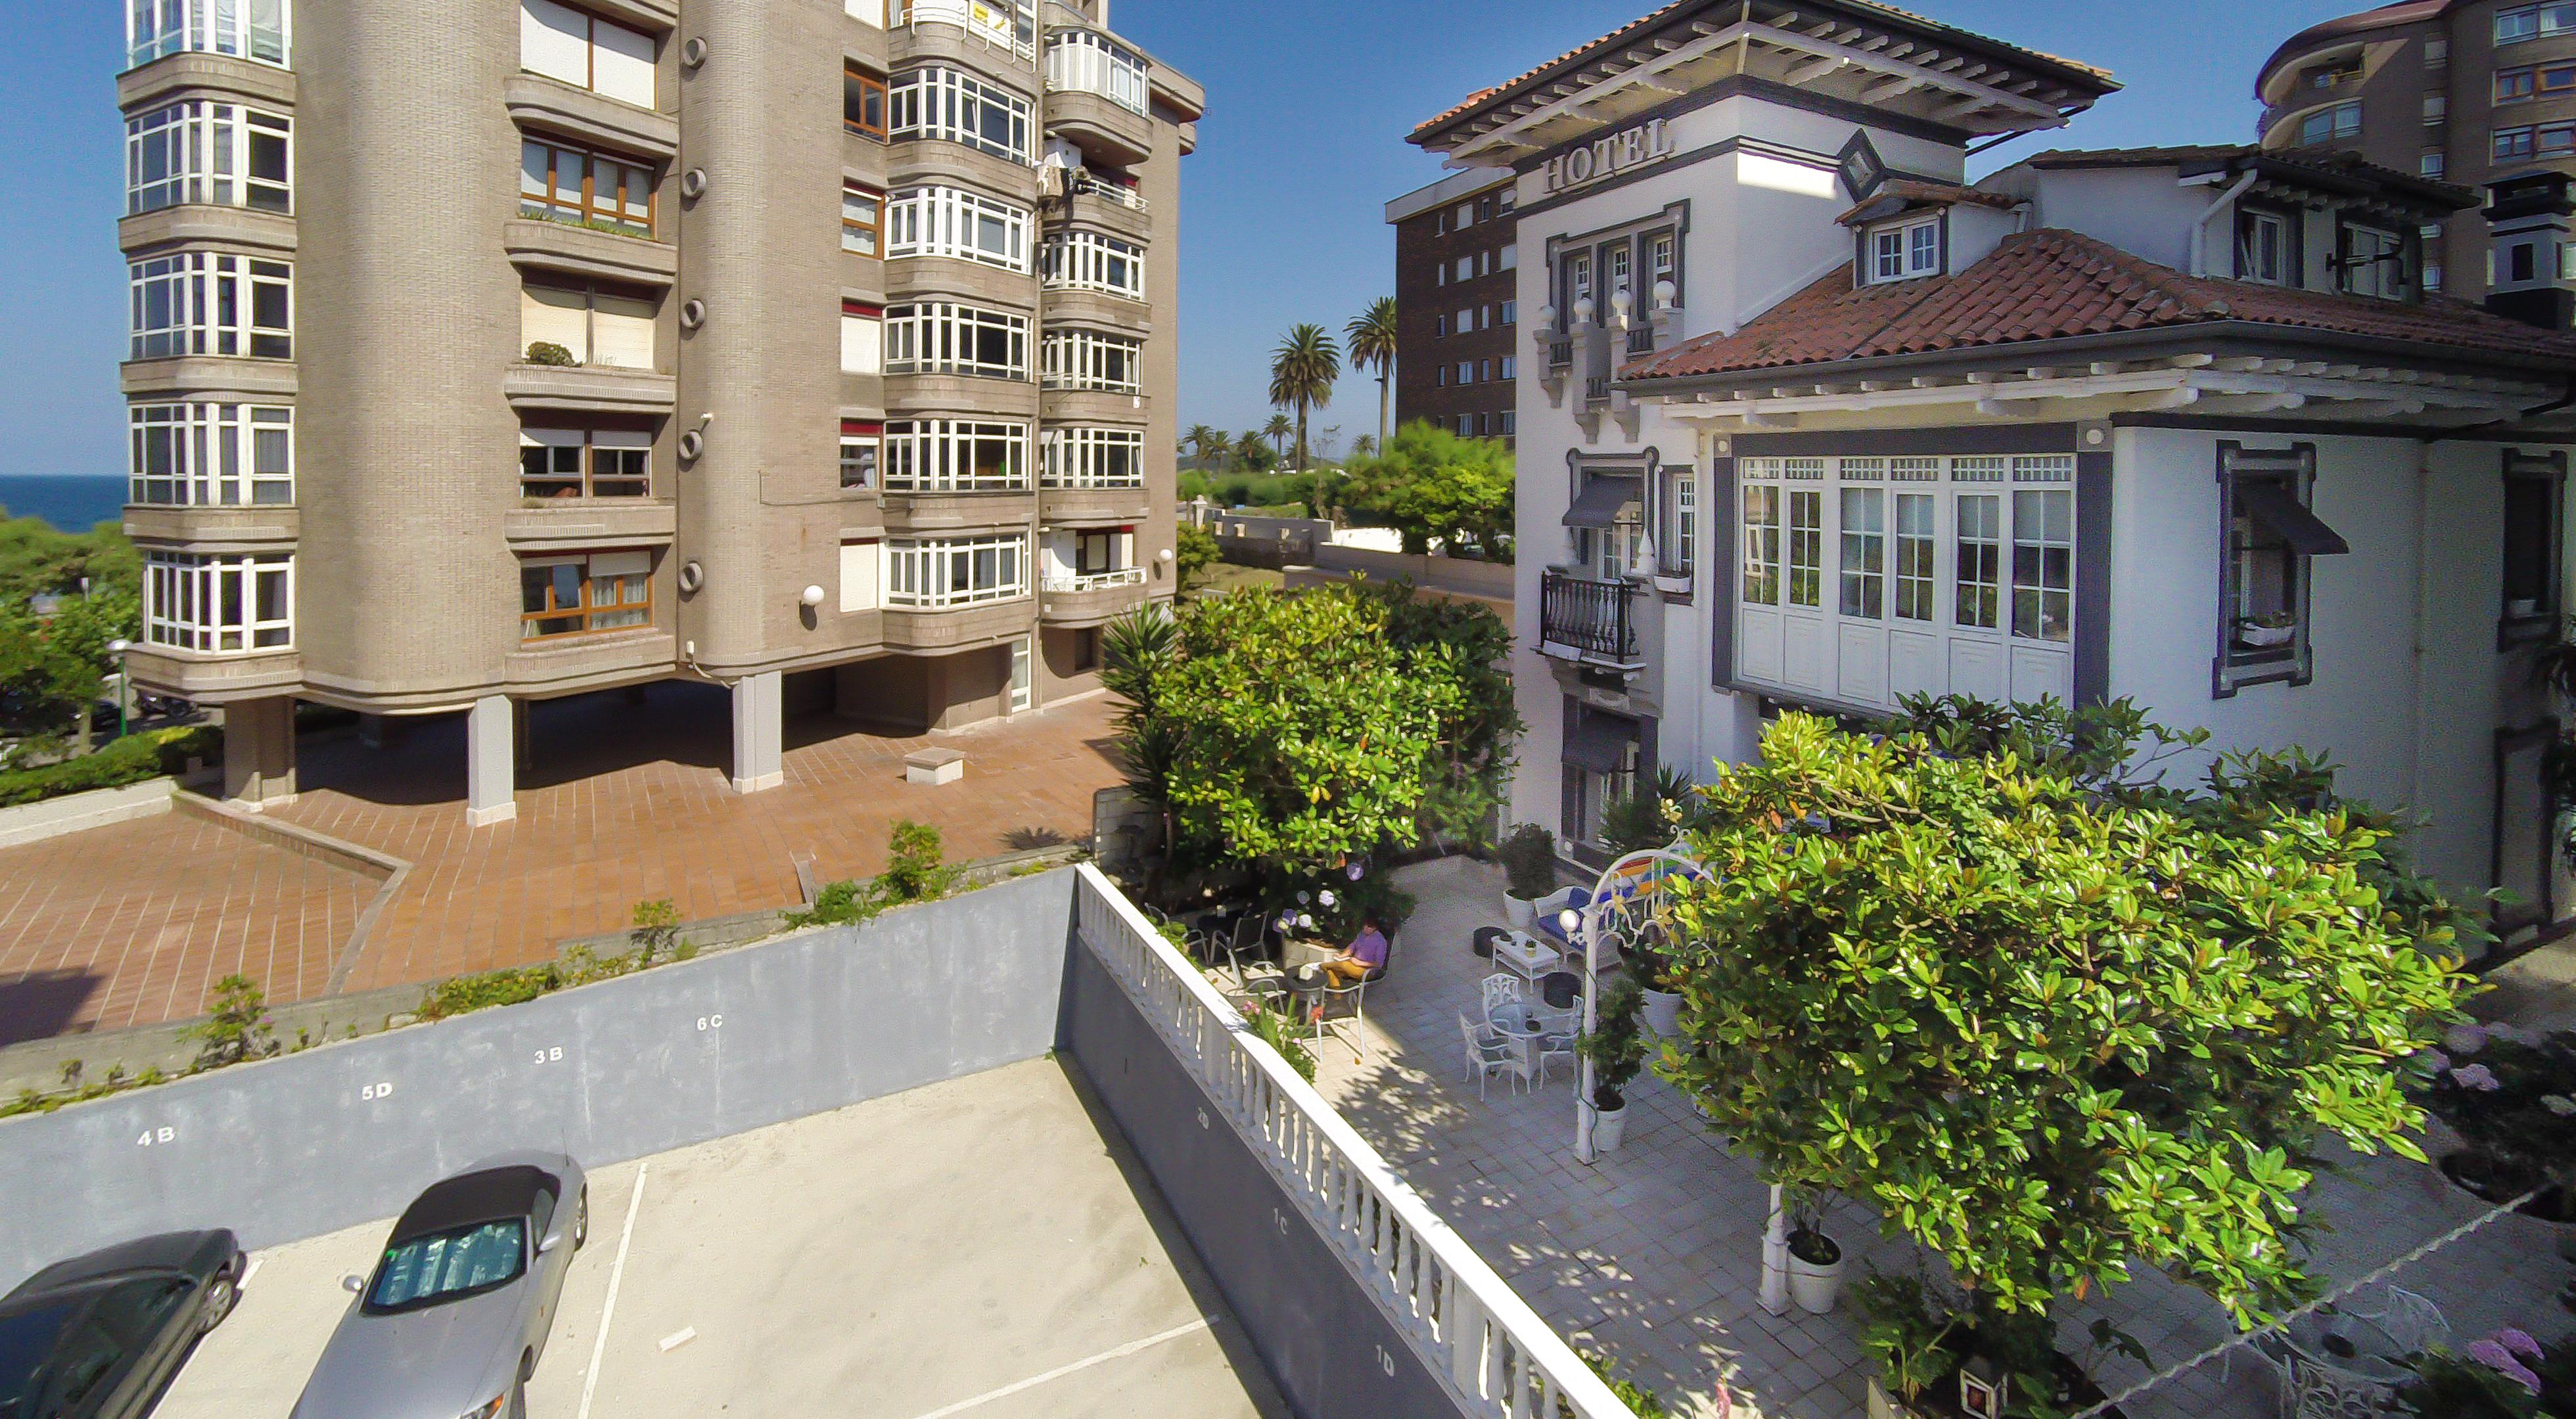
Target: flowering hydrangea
2519 1342
2496 1357
2437 1061
2558 1104
1326 897
2465 1039
2476 1076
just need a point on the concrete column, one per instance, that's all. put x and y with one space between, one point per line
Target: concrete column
759 733
523 734
371 730
259 751
491 773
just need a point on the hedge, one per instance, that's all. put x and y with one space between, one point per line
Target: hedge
129 760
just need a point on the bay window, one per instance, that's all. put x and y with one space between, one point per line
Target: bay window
583 188
209 303
1761 585
2043 565
938 573
862 219
1864 551
941 337
217 154
2268 539
596 322
955 456
952 222
578 48
1088 261
1977 604
219 604
1093 63
247 29
1092 458
211 455
1806 547
1916 555
1085 359
585 463
583 595
956 107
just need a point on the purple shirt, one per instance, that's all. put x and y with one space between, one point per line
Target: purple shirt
1370 949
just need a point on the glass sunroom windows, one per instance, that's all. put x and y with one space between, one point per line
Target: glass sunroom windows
250 29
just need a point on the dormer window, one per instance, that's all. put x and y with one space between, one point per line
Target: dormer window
1901 251
2266 248
2373 262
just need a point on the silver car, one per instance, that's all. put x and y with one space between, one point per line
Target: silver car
452 1322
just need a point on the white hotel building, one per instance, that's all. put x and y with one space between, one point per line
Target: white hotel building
1807 422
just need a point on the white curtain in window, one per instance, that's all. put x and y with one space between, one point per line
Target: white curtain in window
621 332
866 12
554 40
562 317
622 63
862 345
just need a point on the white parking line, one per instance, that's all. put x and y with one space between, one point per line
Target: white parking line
608 1308
1105 1356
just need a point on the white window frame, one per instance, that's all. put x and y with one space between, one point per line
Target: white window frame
199 153
260 30
1083 457
1089 359
923 573
210 455
942 456
1899 251
1092 261
956 223
2250 264
2524 22
208 303
1093 63
209 604
944 337
2378 276
951 106
1004 24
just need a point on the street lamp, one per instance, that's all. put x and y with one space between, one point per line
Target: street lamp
124 683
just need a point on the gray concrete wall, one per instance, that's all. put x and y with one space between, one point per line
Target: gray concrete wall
1327 1346
337 1136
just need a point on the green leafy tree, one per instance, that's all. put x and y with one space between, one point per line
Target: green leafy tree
238 1029
1254 456
2050 1022
1372 340
1429 483
1194 550
1302 371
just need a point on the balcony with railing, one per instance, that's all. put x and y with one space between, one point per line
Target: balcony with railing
1587 619
1117 194
1089 598
1087 62
1002 24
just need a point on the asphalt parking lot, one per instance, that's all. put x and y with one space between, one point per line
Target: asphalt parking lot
973 1248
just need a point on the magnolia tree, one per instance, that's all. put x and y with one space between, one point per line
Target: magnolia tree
2048 1016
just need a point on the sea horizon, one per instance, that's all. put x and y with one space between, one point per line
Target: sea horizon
66 502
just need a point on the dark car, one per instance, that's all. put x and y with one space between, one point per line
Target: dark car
101 1336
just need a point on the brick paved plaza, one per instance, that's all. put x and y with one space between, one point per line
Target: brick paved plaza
620 803
1651 1257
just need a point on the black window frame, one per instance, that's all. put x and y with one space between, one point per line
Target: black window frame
2237 666
2544 478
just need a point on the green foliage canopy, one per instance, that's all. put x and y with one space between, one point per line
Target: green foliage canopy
2043 1023
1430 483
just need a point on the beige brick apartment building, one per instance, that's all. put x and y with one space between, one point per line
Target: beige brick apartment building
514 349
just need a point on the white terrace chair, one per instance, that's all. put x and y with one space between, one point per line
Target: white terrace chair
1489 1054
1501 988
2413 1321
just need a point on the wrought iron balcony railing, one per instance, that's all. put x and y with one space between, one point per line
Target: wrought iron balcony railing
1595 619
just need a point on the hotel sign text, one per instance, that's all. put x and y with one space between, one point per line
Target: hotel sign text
1604 157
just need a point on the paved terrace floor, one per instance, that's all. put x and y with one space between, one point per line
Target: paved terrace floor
622 802
1652 1256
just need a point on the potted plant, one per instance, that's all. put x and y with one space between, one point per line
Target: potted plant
1653 972
1913 1339
1529 860
1815 1262
1616 1052
2274 628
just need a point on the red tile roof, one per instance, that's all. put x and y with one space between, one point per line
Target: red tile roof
1648 20
2331 171
1900 193
2053 284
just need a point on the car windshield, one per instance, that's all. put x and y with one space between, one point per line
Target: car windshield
443 1266
26 1338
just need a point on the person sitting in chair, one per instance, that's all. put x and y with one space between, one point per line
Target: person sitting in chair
1366 953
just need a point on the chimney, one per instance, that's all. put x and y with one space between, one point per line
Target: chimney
2531 254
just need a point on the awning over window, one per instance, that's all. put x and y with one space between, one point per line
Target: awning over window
1598 743
2272 505
1602 496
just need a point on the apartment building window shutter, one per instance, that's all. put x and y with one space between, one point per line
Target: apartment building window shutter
554 41
555 316
622 332
622 64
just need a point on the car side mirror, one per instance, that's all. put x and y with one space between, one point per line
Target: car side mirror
353 1283
550 1241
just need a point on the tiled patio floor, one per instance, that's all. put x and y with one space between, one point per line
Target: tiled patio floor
1652 1256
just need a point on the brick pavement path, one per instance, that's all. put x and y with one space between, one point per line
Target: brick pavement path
622 803
133 923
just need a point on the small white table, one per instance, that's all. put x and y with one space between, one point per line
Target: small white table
1526 956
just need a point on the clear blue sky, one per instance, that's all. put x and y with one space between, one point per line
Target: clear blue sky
1282 207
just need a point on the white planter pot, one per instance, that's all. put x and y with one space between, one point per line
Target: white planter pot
1519 911
1884 1406
1663 1012
1815 1288
1609 1128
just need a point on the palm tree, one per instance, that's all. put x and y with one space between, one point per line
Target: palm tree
1363 446
1251 450
1302 371
1277 431
1204 443
1372 337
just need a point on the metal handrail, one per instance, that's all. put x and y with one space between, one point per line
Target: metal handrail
1094 581
1493 1353
1592 617
1098 187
